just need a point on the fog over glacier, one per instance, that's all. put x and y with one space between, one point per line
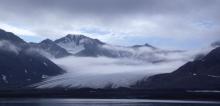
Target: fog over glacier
100 72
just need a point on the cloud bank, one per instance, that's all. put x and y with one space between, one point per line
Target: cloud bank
101 72
184 21
104 72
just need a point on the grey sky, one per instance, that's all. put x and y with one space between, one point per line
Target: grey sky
164 23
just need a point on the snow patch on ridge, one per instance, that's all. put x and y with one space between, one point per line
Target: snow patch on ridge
71 47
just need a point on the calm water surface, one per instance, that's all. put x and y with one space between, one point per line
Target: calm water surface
102 102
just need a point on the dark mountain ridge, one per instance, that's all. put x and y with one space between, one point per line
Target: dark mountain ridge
20 66
8 36
199 74
145 45
51 47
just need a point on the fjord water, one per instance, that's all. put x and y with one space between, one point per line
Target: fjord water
102 102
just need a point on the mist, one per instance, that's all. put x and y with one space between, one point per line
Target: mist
8 46
101 72
41 52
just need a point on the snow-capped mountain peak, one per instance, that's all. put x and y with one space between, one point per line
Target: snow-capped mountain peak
73 38
75 43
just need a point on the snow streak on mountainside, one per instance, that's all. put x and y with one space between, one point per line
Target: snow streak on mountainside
76 43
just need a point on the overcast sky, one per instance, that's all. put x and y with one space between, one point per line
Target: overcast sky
182 24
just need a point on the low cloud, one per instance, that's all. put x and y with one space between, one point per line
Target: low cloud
101 72
32 51
8 46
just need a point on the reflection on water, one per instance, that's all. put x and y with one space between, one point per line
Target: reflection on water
101 102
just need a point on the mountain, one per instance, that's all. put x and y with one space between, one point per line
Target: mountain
51 47
80 45
199 74
21 68
77 43
12 38
20 65
145 45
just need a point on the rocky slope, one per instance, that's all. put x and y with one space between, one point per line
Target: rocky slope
201 73
21 66
50 47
